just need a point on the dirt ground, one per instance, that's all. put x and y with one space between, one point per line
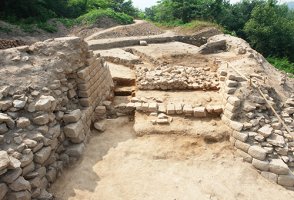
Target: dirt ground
119 166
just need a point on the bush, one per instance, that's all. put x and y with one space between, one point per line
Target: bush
94 15
282 64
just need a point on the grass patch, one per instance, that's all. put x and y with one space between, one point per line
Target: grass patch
194 25
94 15
68 23
50 28
282 64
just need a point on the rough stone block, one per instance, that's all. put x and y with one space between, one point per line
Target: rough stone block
152 107
237 126
265 131
261 165
42 155
171 109
75 150
242 145
3 190
45 103
4 160
42 119
246 157
20 184
242 136
179 108
188 110
277 166
270 176
257 152
235 101
286 180
23 195
73 116
199 112
73 130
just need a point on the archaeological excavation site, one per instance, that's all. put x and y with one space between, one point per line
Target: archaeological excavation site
156 115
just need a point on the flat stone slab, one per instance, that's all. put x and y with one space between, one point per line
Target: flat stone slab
123 75
118 54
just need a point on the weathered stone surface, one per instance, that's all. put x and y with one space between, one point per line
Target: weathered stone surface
42 155
20 184
42 119
11 175
26 159
19 104
51 175
72 117
261 165
4 160
3 190
14 163
179 108
286 180
23 122
199 112
30 143
100 110
152 107
276 140
188 110
8 120
270 176
246 157
100 126
29 168
73 130
235 101
242 145
3 128
237 126
266 130
277 166
242 136
162 121
75 150
35 182
44 195
257 152
45 103
23 195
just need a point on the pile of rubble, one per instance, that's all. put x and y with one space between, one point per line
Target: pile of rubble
176 78
45 122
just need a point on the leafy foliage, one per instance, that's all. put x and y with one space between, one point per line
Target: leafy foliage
282 64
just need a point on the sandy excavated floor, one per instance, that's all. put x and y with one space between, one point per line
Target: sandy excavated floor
118 166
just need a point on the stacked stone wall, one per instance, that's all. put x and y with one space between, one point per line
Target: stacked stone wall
45 125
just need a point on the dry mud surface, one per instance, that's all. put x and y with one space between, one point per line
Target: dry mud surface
119 166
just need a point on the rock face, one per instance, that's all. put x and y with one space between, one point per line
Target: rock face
46 112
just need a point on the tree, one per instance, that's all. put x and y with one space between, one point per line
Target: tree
270 30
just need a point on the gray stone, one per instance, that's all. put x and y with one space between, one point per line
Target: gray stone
242 145
286 180
11 175
35 182
14 163
42 119
100 126
3 128
100 110
20 184
44 195
265 131
23 195
8 120
4 160
257 152
246 157
26 159
235 101
19 104
23 122
277 166
75 150
29 168
45 103
276 140
73 116
30 143
51 175
42 155
242 136
261 165
3 190
237 126
74 130
270 176
5 105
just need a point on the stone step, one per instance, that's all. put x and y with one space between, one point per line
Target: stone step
122 75
124 90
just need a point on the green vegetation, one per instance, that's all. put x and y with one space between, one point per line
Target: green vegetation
32 14
265 24
282 64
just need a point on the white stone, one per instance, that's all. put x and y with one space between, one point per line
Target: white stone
257 152
277 166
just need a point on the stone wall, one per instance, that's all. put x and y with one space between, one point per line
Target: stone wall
46 110
258 135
